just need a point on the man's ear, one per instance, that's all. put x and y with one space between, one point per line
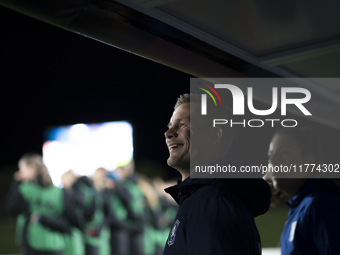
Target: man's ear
215 135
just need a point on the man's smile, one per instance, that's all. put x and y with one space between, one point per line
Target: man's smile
174 146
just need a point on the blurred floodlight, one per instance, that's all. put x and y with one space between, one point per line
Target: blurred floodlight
79 131
86 147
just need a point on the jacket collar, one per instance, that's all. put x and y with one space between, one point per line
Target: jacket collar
186 188
312 186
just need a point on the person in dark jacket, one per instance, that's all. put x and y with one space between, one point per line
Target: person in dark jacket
83 192
121 211
74 242
97 236
314 205
136 216
45 211
215 216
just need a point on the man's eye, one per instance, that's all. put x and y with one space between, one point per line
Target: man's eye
181 124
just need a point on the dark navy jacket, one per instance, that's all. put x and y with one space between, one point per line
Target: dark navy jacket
216 216
313 224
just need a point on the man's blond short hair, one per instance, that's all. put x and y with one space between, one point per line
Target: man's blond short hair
185 99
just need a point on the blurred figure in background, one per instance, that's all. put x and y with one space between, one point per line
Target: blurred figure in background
121 213
74 242
79 218
151 218
157 224
129 180
45 211
83 192
314 204
149 215
97 230
169 207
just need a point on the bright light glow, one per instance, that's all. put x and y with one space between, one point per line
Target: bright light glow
86 147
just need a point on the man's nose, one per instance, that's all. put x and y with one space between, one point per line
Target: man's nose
170 133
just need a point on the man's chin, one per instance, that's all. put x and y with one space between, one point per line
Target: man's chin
171 162
174 163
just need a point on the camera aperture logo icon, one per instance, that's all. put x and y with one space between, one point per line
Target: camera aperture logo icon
204 98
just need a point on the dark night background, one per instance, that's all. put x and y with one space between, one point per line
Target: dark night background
52 77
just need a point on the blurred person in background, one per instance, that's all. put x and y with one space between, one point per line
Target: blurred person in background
314 204
151 218
97 230
168 204
74 242
44 211
169 207
157 220
129 179
119 200
84 194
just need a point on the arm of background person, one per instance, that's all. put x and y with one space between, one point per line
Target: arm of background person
15 202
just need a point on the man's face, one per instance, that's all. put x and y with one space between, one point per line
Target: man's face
99 179
178 138
28 172
68 180
284 150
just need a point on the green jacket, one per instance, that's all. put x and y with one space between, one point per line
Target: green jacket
44 201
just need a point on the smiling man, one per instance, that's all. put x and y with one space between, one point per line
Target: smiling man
179 142
216 216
